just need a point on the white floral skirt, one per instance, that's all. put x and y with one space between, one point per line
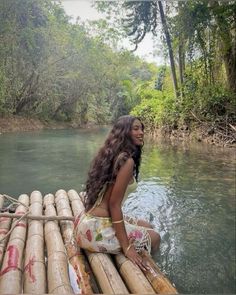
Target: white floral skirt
96 234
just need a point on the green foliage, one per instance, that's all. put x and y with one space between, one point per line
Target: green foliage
54 69
156 108
57 70
207 102
160 78
141 17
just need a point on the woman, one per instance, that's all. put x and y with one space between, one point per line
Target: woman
103 227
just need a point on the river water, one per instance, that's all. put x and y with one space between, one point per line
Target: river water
187 192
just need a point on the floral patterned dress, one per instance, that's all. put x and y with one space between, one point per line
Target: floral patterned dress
97 234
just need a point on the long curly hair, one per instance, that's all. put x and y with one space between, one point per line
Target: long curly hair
118 147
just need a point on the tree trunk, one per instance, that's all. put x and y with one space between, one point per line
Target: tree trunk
181 54
230 67
27 93
181 67
170 50
228 46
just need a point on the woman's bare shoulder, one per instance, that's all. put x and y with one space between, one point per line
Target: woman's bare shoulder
123 160
127 167
130 161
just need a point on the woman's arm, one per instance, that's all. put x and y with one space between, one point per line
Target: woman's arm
122 181
123 178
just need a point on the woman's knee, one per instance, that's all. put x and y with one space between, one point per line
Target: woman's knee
155 237
144 223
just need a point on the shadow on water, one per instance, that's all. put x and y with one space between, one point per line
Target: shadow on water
187 192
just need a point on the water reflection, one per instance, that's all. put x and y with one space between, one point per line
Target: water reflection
187 192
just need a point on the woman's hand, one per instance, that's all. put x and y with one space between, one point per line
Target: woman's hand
133 255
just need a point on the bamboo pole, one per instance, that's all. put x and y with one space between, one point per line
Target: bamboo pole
11 271
34 265
101 264
1 201
75 256
93 282
74 199
106 273
133 276
37 217
58 278
158 280
5 224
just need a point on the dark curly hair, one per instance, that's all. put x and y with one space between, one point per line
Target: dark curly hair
118 147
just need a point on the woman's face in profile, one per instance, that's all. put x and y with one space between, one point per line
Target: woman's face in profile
137 133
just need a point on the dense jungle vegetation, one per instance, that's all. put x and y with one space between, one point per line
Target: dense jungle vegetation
53 69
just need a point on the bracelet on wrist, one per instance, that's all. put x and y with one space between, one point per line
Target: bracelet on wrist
127 249
118 221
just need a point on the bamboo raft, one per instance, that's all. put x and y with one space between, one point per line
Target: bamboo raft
39 254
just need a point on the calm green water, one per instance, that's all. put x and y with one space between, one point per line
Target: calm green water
187 192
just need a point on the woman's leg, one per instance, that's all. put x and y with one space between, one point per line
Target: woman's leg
155 240
144 223
155 237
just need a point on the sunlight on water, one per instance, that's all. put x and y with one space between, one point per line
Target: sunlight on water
187 192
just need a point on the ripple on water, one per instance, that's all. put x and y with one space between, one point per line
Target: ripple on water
196 247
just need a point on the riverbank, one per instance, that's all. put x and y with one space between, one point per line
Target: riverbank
198 132
206 132
20 124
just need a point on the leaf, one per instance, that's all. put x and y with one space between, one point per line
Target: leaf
98 237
